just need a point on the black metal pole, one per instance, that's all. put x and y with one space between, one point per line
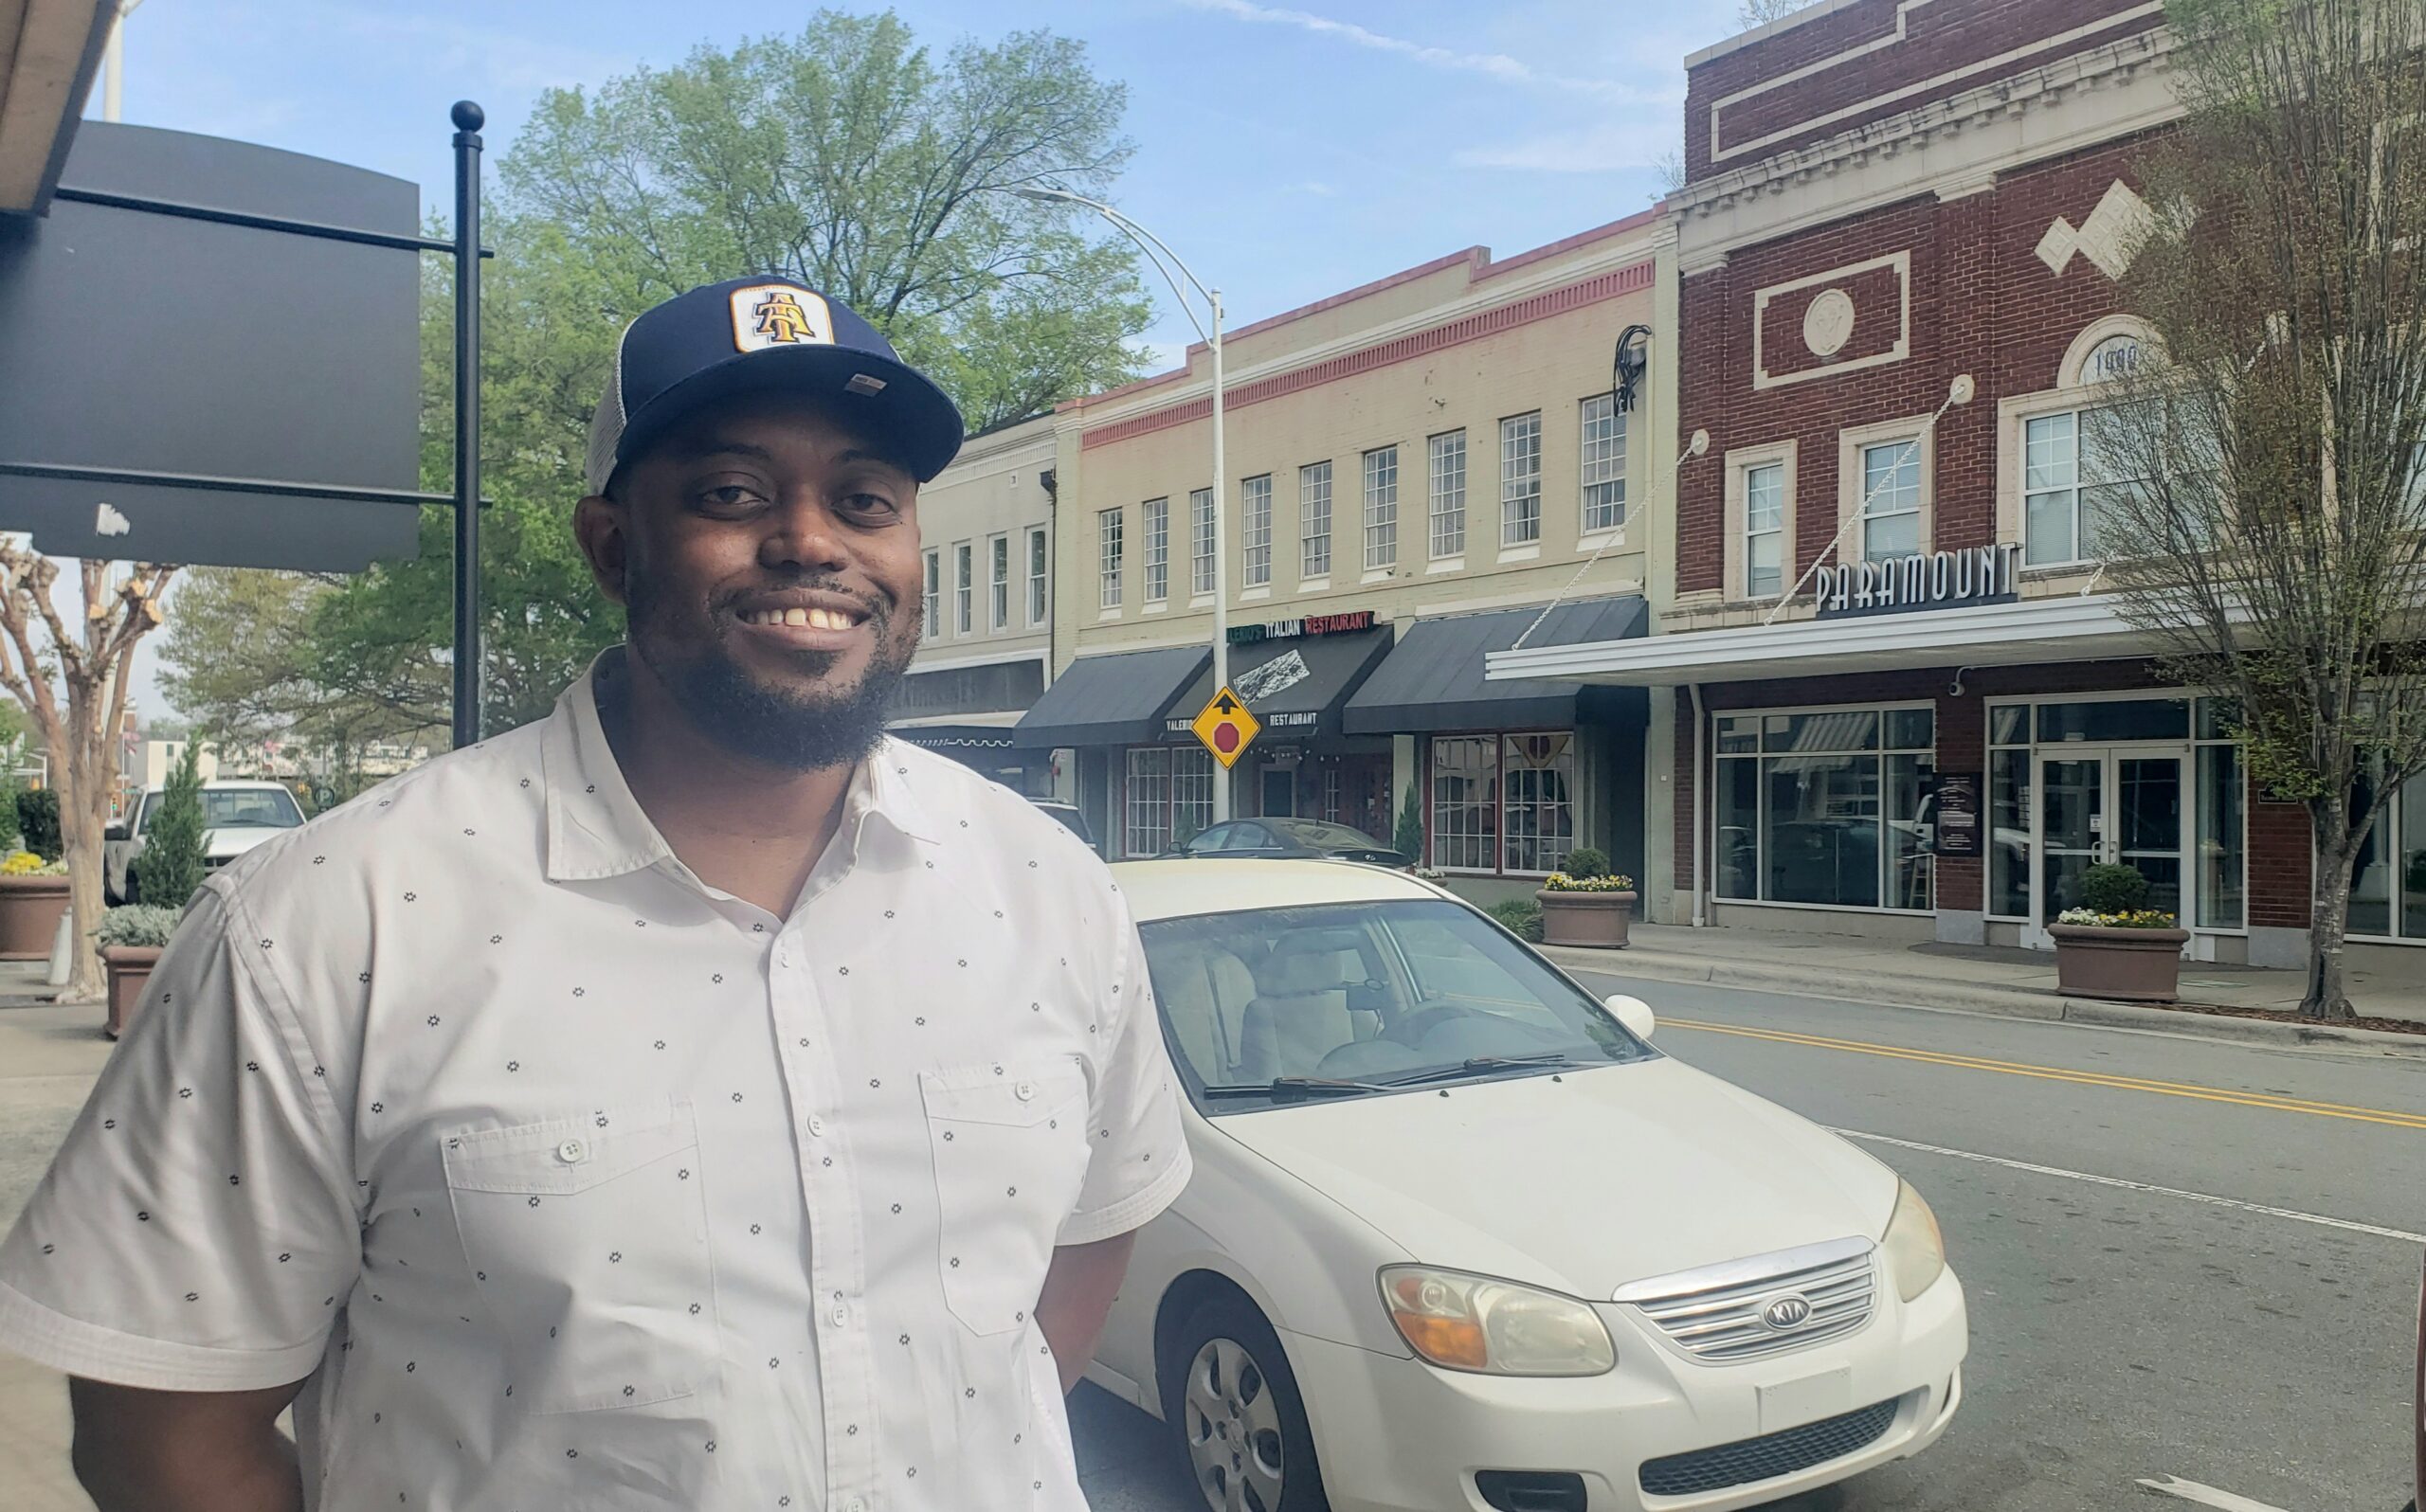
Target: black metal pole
468 119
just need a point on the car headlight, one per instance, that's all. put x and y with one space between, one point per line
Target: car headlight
1915 1248
1475 1323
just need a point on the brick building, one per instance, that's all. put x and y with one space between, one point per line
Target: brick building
1903 704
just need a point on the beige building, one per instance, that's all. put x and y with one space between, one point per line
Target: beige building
1417 469
987 649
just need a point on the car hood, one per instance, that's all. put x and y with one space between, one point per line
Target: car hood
1580 1183
235 839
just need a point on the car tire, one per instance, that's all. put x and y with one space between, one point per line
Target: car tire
134 889
1234 1409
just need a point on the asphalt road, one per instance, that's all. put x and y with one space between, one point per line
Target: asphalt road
2178 1282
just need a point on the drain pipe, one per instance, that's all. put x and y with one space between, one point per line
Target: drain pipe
1701 770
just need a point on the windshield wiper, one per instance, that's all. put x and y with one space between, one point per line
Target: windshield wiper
1477 1064
1297 1088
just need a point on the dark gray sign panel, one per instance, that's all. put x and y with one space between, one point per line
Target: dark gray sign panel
266 374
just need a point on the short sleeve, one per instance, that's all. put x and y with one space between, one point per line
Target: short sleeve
196 1232
1138 1160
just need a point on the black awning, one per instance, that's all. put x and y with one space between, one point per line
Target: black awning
1433 678
1296 686
1112 700
955 737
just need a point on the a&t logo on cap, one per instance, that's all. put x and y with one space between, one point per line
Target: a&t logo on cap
777 314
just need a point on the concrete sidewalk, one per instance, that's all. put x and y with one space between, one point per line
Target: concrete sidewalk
1987 979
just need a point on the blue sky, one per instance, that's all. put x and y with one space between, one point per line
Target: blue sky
1287 153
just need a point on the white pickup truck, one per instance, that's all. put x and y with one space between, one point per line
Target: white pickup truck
236 815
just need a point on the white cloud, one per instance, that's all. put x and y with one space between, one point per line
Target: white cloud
1491 65
1611 147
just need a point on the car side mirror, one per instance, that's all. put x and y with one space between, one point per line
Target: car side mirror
1633 1013
115 831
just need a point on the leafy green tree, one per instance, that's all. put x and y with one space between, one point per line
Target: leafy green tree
38 822
170 865
1409 842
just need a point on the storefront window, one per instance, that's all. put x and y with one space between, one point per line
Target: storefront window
2388 886
2009 828
1503 803
2115 719
1539 816
1815 812
1170 798
2223 855
1465 801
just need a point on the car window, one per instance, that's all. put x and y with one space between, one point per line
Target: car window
1216 838
1315 831
271 808
1365 991
143 815
1253 838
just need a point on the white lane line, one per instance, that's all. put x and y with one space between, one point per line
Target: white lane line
2207 1495
2234 1203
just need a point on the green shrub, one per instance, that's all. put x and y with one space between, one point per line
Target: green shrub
137 923
170 866
1521 917
1585 862
38 822
1409 842
2114 889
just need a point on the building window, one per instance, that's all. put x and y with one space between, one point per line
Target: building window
1829 808
1200 540
1890 500
1448 466
1108 544
1503 803
931 604
2388 884
1254 531
2066 478
997 565
1381 508
1520 479
1764 529
1605 463
964 588
1313 520
1154 530
1168 798
1040 552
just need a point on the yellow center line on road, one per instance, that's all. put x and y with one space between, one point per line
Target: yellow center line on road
2058 1074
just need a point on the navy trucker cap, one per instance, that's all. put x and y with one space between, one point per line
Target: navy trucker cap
758 336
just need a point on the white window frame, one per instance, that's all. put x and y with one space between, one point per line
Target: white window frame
1445 496
1601 431
931 600
1040 569
1853 445
998 583
1254 531
1109 547
1520 480
964 587
1154 550
1498 743
1741 464
1381 470
1199 540
2075 391
1314 524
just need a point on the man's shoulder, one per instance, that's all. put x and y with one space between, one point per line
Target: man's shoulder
953 796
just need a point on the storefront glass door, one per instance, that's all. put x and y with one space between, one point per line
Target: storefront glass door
2114 804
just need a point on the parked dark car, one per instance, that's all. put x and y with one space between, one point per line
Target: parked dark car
1070 819
1267 839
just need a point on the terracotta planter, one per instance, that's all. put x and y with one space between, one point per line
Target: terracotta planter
130 969
2129 965
30 907
1593 920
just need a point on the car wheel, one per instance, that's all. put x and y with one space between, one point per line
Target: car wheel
1234 1408
134 889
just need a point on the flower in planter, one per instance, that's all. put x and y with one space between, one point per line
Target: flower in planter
1613 882
2127 919
142 926
25 863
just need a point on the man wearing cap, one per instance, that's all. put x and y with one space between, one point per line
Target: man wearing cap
695 1100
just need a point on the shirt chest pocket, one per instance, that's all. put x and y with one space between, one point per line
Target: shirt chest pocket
1010 1142
588 1239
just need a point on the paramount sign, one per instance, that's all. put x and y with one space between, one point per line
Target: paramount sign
1938 579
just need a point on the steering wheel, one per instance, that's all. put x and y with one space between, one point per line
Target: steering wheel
1414 1027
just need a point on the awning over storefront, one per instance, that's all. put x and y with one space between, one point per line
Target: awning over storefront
1433 678
2064 628
1111 700
1297 687
988 732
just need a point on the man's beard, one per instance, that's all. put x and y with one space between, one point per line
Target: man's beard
790 727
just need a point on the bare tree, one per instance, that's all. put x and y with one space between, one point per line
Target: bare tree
79 717
1753 13
2270 534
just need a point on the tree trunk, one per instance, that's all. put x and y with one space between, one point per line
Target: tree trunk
81 827
2328 921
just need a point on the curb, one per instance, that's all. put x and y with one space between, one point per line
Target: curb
1896 990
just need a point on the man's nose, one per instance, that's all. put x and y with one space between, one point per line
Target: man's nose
804 534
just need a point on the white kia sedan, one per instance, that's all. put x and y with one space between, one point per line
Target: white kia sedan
1460 1238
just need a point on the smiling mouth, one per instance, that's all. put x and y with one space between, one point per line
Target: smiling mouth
804 618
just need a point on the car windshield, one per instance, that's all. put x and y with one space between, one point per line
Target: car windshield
269 808
1315 832
1371 993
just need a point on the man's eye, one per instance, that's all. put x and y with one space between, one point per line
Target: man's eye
728 496
873 506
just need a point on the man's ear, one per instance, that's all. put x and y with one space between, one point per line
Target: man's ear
599 526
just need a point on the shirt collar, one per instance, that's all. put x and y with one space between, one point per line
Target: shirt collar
597 829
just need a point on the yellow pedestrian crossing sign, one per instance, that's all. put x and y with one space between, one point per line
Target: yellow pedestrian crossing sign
1225 726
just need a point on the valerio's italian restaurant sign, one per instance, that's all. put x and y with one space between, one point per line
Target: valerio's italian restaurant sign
1937 580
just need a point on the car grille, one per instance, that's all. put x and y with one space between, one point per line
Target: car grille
1769 1456
1718 1314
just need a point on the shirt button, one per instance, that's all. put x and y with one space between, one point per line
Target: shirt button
840 1315
856 1505
1024 1091
817 1125
571 1152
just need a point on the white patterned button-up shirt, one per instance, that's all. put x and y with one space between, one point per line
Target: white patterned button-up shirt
572 1181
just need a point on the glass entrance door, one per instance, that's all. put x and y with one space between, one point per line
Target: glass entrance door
2107 805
